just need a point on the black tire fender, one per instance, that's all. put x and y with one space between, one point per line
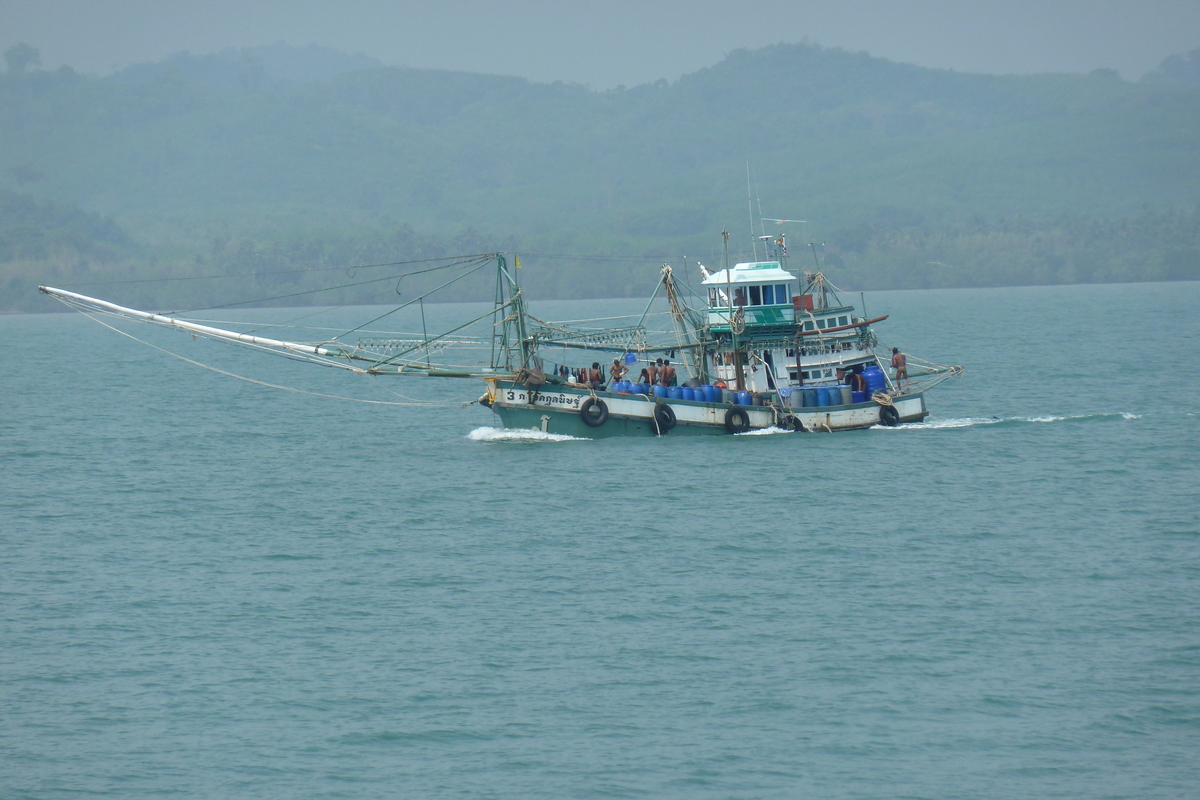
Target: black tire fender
792 423
889 416
737 420
664 417
593 412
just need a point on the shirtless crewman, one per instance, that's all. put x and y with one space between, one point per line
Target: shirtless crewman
653 370
900 362
667 376
617 371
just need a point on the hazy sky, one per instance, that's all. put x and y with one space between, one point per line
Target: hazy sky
609 42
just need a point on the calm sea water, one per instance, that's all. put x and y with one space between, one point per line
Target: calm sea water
214 589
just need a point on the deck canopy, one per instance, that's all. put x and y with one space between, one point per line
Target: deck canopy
756 284
752 272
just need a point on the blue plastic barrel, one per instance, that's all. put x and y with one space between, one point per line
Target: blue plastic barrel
675 392
712 394
823 397
875 378
660 391
744 398
687 393
860 397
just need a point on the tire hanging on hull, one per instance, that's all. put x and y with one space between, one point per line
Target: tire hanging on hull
737 420
792 423
664 418
593 412
889 416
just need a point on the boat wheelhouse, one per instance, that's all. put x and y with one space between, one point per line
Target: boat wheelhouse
768 336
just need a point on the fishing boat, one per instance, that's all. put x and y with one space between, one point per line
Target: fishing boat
755 348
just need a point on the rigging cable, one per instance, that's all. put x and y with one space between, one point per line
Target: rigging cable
279 272
419 403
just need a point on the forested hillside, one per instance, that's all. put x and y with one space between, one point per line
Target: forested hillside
279 157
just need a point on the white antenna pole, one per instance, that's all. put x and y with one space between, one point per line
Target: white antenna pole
761 228
750 207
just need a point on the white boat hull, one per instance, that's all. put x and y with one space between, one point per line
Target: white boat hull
557 409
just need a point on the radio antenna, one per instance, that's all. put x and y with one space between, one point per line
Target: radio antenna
750 207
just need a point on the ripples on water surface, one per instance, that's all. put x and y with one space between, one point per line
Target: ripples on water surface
213 589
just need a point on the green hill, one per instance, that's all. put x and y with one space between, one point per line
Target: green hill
885 161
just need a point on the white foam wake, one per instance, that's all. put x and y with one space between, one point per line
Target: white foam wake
1069 417
967 422
519 435
763 432
937 424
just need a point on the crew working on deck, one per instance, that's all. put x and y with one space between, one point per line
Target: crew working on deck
666 373
900 363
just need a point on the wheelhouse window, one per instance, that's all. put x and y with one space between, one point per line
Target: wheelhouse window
768 295
739 296
755 296
782 295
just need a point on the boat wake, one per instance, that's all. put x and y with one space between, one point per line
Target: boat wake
771 431
519 435
968 422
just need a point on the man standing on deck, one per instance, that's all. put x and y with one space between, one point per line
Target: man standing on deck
667 376
900 362
617 371
595 377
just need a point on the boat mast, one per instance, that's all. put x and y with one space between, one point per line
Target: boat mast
818 278
508 319
694 357
738 371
